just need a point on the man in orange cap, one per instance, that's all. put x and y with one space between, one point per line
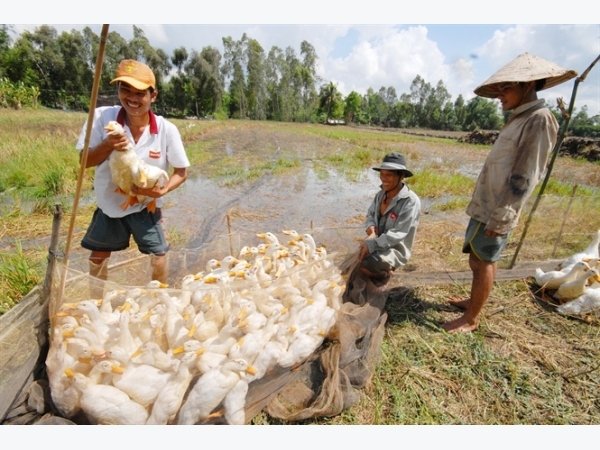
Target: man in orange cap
157 142
510 173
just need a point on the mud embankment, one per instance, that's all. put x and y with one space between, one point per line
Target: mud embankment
574 147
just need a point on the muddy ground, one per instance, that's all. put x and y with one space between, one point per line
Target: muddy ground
314 196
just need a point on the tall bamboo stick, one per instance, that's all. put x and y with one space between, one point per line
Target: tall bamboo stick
83 162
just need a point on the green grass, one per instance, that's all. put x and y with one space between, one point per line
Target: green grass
554 187
231 171
431 183
525 365
38 156
19 273
359 136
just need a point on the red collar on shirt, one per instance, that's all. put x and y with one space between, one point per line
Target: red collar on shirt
153 126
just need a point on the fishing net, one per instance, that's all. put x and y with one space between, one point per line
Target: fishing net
323 378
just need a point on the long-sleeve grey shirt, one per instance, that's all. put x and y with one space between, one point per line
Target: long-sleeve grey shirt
514 167
396 227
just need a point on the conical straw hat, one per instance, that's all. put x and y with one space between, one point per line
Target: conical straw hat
526 67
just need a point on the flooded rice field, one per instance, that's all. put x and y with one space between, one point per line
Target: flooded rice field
252 177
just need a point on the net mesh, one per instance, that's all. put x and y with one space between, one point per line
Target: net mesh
332 359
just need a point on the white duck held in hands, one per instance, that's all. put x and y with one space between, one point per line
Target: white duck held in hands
124 167
127 169
153 175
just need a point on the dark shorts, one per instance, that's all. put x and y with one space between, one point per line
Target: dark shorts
107 234
487 249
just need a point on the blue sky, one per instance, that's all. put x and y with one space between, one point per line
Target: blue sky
357 50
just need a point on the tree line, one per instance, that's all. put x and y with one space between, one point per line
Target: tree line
43 67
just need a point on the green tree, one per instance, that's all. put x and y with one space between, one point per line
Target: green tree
179 58
77 76
18 62
257 93
291 86
330 102
460 112
352 111
583 125
309 81
207 85
178 89
5 46
436 113
420 91
481 114
46 62
404 112
377 108
234 73
275 70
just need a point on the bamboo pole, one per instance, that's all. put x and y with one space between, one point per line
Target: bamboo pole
52 257
83 160
561 135
229 233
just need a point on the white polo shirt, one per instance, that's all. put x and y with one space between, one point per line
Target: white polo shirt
160 145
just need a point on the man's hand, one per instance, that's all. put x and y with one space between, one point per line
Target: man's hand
154 192
117 142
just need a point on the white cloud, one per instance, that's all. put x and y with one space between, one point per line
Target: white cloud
391 56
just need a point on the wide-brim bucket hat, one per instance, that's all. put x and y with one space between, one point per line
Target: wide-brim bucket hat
394 161
526 67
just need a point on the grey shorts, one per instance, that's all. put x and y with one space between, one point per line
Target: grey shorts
487 249
107 234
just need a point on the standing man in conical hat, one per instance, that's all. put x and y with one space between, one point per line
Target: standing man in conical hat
510 173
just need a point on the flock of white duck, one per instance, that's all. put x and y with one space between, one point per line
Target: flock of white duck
576 281
155 355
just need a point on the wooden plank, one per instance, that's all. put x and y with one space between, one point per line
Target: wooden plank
520 271
23 344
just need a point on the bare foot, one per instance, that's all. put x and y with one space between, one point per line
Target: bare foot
461 325
459 303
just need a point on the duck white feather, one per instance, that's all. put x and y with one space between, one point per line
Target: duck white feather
590 252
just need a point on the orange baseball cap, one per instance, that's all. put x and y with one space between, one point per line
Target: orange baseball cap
136 74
